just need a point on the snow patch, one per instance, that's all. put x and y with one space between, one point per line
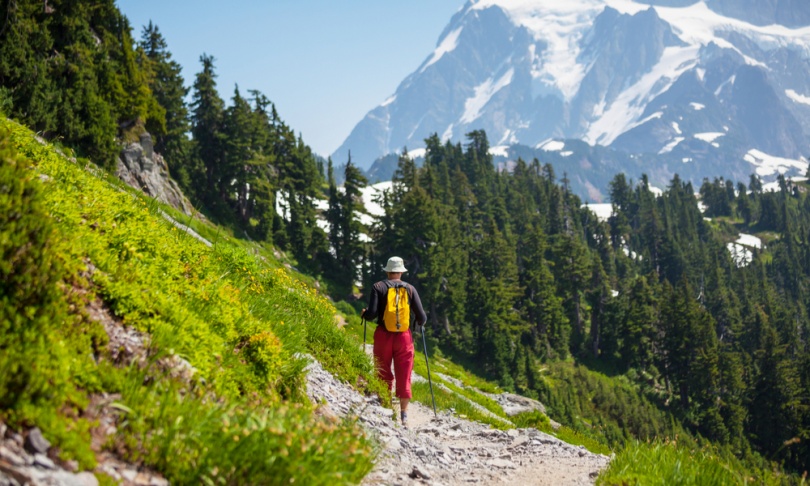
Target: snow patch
566 153
741 255
448 133
677 128
726 82
805 100
741 249
671 145
603 211
553 146
483 93
708 137
697 106
749 240
499 151
372 191
321 205
686 160
767 165
417 153
282 208
774 186
390 100
448 44
366 219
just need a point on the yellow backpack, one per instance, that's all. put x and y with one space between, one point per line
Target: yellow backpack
397 313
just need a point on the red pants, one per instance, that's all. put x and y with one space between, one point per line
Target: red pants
396 346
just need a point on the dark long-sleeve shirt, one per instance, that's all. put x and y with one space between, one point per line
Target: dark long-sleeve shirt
376 302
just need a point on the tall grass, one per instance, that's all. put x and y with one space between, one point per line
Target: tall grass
667 463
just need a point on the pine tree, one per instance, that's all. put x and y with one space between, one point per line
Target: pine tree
541 307
238 150
167 85
208 113
493 287
774 400
345 228
572 269
640 324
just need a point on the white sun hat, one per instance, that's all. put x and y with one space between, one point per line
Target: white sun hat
395 265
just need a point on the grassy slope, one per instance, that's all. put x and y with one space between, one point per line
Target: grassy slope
242 324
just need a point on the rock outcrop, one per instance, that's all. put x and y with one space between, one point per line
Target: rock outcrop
27 458
143 168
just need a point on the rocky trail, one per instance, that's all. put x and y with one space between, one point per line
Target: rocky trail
448 450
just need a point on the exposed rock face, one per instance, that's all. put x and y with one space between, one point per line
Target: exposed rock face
143 168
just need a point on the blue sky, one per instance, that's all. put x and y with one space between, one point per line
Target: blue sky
324 63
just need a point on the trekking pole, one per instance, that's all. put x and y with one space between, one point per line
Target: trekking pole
430 382
364 333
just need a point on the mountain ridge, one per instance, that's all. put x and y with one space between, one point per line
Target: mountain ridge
636 77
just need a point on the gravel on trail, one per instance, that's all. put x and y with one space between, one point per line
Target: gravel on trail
449 450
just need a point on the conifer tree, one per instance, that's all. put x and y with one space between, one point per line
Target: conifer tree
541 307
572 269
345 228
166 82
238 147
640 324
493 286
208 113
774 401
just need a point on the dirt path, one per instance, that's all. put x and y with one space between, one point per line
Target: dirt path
448 450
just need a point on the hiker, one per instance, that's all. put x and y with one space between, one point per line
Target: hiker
395 305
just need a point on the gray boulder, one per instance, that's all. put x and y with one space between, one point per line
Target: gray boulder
144 169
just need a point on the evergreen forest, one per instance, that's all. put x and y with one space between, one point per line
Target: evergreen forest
642 326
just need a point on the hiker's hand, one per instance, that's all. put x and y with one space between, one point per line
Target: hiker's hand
363 314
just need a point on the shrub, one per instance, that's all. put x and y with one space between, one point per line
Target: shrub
263 350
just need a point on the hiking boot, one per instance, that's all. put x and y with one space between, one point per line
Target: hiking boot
404 419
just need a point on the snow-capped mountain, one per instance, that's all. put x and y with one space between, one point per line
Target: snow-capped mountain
705 88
